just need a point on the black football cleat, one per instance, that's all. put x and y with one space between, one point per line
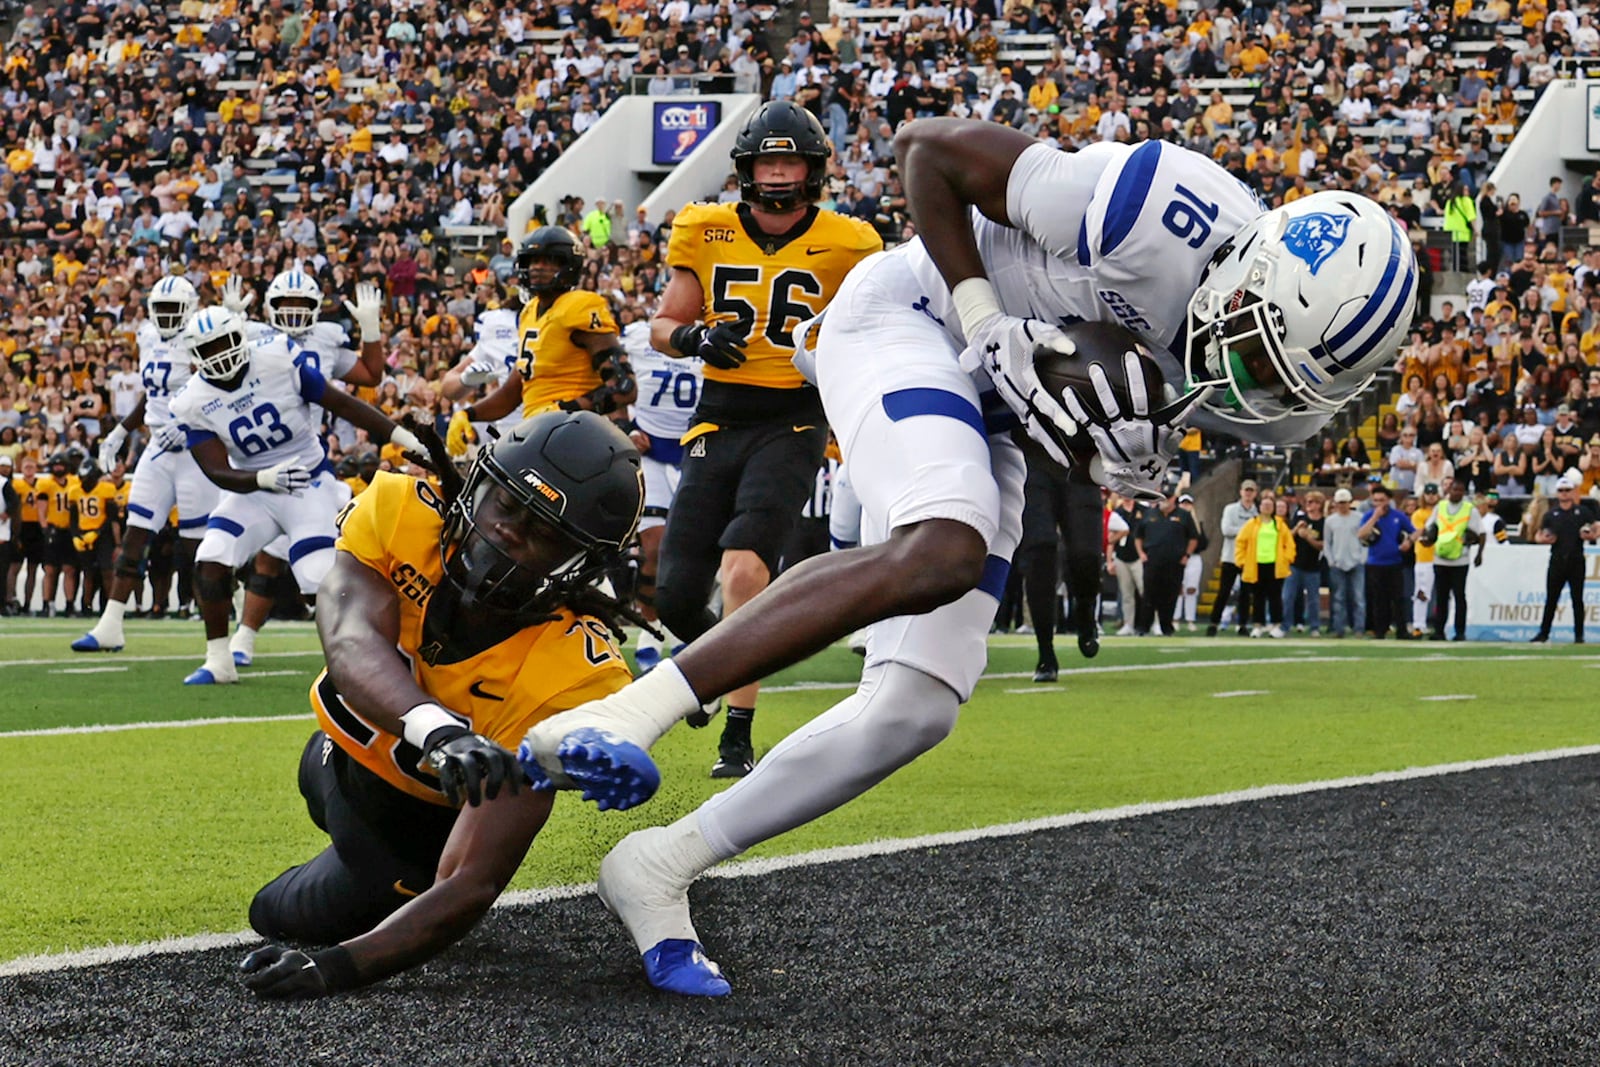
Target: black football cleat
1045 672
734 760
1088 642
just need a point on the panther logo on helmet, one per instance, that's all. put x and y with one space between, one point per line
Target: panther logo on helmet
1315 237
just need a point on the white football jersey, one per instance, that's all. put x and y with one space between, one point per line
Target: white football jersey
326 346
669 386
164 368
270 418
1112 233
495 338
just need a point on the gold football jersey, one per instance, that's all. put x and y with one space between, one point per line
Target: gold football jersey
92 503
773 282
553 366
393 528
52 499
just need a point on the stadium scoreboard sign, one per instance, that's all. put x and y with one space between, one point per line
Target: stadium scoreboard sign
679 126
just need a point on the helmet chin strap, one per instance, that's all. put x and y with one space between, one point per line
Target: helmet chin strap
1239 377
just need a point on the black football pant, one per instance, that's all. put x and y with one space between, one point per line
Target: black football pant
1058 511
1163 581
1448 583
385 850
1568 575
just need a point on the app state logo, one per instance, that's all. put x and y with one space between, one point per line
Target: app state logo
1316 236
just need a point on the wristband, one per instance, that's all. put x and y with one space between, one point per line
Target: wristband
422 720
975 303
338 968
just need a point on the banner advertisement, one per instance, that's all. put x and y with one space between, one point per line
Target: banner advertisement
679 126
1505 596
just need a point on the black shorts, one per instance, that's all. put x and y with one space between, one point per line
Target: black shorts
30 543
101 556
58 550
743 488
385 850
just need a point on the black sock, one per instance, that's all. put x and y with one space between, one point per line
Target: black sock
736 727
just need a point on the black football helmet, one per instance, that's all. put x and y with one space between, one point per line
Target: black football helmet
567 484
782 127
89 472
558 246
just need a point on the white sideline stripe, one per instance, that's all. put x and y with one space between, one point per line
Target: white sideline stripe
137 627
111 728
1226 693
246 674
1451 696
198 654
757 868
90 670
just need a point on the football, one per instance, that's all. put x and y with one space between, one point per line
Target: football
1103 343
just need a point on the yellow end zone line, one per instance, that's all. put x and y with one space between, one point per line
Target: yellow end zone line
755 868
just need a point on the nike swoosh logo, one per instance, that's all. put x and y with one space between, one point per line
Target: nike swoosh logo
477 690
399 887
803 429
815 251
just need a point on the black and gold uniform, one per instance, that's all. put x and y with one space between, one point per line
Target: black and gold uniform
93 508
54 504
553 366
758 436
29 518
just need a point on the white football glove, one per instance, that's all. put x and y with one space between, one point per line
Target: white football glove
111 447
284 478
1003 346
1136 446
170 438
408 442
366 311
476 376
235 297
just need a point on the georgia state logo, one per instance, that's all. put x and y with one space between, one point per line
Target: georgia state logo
1316 236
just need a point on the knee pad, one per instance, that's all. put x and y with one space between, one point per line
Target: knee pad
210 586
128 567
261 584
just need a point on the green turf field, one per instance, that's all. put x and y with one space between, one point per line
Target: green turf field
125 835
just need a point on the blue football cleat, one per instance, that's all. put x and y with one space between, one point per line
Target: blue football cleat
613 772
204 676
89 643
680 966
647 660
242 659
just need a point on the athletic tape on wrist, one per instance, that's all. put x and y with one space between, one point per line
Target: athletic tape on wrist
423 720
975 303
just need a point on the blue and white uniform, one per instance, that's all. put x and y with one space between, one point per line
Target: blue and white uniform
271 418
1112 233
326 346
669 388
494 351
163 479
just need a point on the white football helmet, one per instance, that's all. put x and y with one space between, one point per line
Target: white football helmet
171 303
216 340
294 300
1300 309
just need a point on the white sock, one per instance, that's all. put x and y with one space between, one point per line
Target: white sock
648 640
646 881
111 618
244 640
217 652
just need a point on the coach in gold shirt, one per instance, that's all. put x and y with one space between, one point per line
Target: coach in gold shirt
453 619
744 277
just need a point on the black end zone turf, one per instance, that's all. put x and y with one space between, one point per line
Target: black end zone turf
1432 921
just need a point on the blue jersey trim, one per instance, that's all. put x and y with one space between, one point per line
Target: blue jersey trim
1127 196
907 403
190 524
197 437
665 449
226 525
312 383
141 511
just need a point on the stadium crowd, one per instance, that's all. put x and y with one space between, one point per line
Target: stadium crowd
348 140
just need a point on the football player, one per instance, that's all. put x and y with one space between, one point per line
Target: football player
488 593
28 534
94 511
166 475
491 361
1271 320
568 356
53 499
745 277
669 390
248 420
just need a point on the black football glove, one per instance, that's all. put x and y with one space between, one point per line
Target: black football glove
279 973
470 766
721 346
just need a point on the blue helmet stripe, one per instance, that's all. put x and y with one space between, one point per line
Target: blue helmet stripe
1329 351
